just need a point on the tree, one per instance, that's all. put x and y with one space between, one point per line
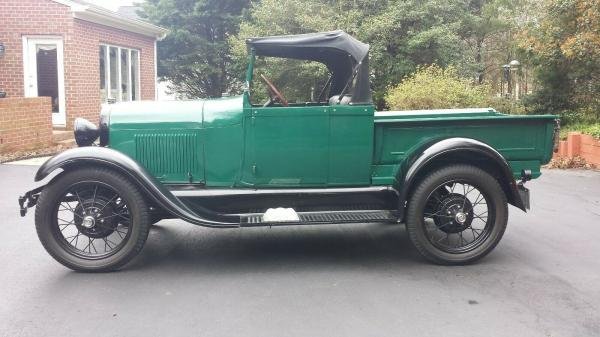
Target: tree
205 53
485 28
283 17
411 33
402 34
195 56
564 44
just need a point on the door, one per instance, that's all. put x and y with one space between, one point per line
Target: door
44 73
287 146
351 145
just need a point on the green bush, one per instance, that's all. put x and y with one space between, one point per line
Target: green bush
582 120
432 87
506 106
592 129
581 116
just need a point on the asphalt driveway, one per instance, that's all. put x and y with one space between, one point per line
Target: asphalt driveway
342 280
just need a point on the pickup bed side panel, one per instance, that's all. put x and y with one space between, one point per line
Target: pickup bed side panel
524 141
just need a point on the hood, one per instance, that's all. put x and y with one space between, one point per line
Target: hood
175 114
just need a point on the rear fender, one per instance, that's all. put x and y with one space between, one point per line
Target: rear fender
416 165
93 156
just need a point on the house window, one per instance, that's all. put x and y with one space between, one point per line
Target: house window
119 74
135 83
103 92
125 72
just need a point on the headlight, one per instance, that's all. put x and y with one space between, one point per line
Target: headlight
85 131
104 124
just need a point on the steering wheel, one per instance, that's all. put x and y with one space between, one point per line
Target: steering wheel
274 94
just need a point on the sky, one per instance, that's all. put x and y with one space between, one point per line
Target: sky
113 4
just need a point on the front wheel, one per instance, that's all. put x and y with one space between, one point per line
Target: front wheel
457 215
92 219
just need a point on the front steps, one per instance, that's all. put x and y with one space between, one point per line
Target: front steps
63 137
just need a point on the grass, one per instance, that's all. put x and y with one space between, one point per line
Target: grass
592 128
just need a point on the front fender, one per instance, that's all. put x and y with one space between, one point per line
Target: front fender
89 155
155 191
429 152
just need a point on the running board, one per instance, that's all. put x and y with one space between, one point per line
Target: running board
320 218
252 201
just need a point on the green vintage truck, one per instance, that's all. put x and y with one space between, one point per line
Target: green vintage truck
231 162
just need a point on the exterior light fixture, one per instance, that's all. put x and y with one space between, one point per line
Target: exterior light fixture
506 72
505 78
515 66
2 49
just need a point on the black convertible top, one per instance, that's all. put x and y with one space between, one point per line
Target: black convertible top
345 57
326 47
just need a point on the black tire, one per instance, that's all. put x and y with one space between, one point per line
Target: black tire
427 214
133 209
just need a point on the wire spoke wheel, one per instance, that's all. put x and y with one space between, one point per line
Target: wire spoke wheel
457 214
458 217
92 220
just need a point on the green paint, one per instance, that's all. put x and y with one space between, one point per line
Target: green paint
227 142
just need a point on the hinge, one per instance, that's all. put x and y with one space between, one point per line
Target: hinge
190 177
254 169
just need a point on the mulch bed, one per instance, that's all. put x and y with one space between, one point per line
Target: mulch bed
47 151
569 163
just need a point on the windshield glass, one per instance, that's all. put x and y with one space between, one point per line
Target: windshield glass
300 81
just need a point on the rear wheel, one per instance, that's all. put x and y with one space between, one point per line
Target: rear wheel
457 215
92 219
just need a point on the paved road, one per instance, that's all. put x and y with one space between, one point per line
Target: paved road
358 280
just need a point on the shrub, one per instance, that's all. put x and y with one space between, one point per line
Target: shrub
432 87
592 129
506 106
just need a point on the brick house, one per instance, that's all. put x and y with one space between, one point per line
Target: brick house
77 54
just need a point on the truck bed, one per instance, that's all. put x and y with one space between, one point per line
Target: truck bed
398 134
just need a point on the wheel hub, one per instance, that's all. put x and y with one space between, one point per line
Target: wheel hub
455 213
95 218
460 217
88 221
